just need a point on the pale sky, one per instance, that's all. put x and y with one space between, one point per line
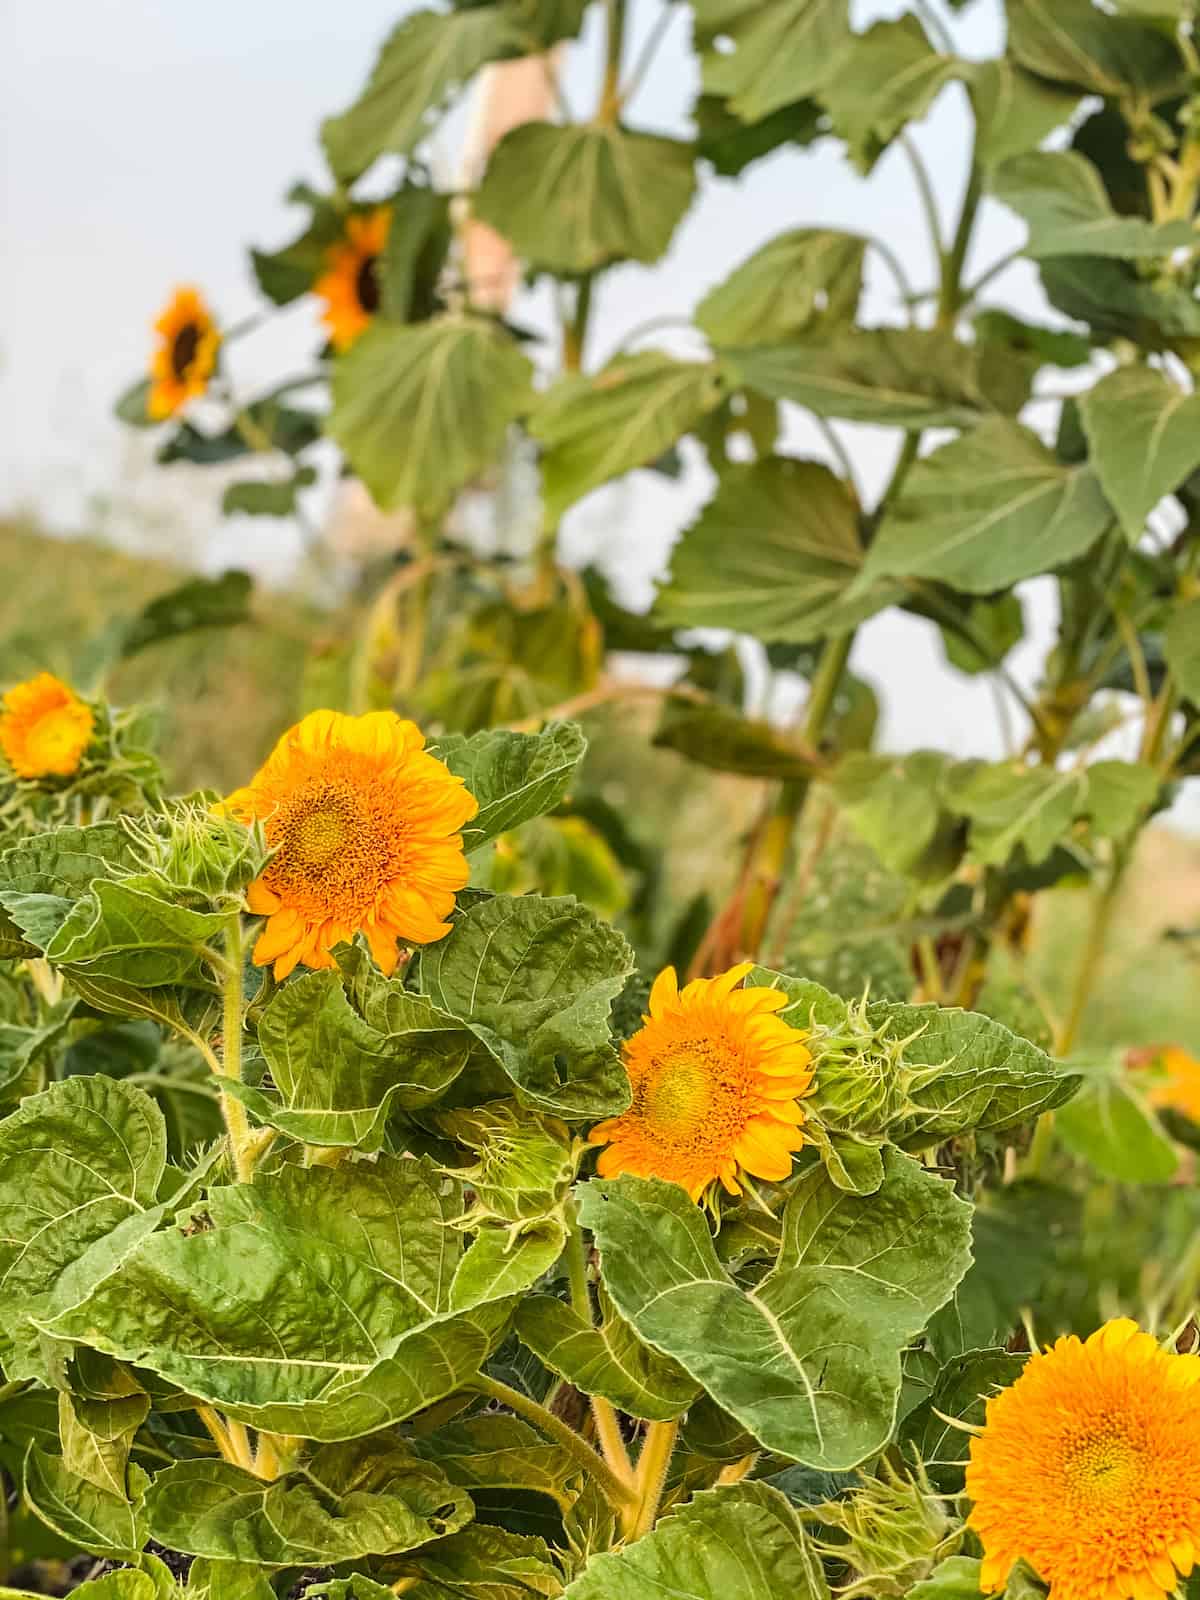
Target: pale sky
148 143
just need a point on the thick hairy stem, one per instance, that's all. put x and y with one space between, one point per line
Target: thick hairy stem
242 1142
652 1467
608 1427
620 1494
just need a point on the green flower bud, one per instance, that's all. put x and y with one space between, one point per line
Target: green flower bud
198 855
893 1532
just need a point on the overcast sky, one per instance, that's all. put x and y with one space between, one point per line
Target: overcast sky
147 144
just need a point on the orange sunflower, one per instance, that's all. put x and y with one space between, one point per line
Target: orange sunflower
1087 1469
365 827
1176 1085
45 728
715 1075
350 287
186 356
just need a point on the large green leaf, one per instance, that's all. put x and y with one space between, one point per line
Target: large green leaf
894 804
513 776
64 861
572 199
1071 41
479 1563
718 737
88 1518
533 978
502 1452
1011 805
420 410
1144 438
745 1542
351 1500
319 1301
763 54
809 1361
1182 644
805 277
1119 300
195 605
80 1168
987 510
608 1360
1061 195
1014 110
337 1077
596 427
774 554
123 930
97 1419
909 377
890 76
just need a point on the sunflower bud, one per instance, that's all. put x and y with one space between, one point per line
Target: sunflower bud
894 1530
197 855
860 1077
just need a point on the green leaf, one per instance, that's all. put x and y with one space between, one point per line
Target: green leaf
955 1579
132 405
1182 645
1110 1127
894 804
338 1077
1010 805
200 603
513 776
97 1425
732 145
64 861
1119 793
228 1580
744 1541
809 1360
121 930
988 510
284 275
961 1391
502 1452
289 429
533 978
908 377
86 1517
80 1167
352 1500
258 497
423 63
996 626
720 738
420 410
1144 438
807 277
597 426
318 1301
574 198
773 554
1059 193
1118 300
782 50
608 1360
1070 41
1014 109
479 1563
890 76
414 256
1056 346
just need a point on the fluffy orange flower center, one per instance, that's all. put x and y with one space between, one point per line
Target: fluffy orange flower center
186 355
364 827
1086 1469
45 728
350 286
714 1077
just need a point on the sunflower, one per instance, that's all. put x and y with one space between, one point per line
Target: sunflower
350 287
1177 1078
186 354
715 1076
365 828
45 728
1086 1469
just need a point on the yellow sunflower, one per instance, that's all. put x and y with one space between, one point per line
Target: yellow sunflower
1176 1085
715 1075
365 827
350 287
1087 1469
186 355
45 728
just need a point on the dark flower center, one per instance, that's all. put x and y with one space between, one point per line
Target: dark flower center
366 285
183 350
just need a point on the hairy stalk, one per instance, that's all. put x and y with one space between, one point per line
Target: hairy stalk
608 1427
241 1141
230 1438
652 1467
618 1492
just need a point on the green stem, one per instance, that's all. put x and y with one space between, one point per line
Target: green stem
620 1494
925 193
608 1427
653 1464
825 684
575 332
241 1142
609 109
951 298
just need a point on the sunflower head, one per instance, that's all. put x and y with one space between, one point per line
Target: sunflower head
1175 1085
186 355
1086 1469
45 728
715 1075
350 285
365 829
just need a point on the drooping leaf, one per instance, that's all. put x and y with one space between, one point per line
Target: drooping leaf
121 929
352 1500
987 510
1144 438
97 1419
804 277
994 626
1119 794
88 1518
513 776
773 554
718 737
1072 42
732 144
1057 346
890 76
264 497
533 978
502 1452
744 1541
1118 300
909 377
199 603
80 1168
420 410
1014 109
1059 193
414 254
809 1360
1182 644
777 53
597 426
572 199
338 1308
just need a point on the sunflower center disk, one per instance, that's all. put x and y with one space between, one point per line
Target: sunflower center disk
183 350
1103 1468
53 742
331 852
679 1098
